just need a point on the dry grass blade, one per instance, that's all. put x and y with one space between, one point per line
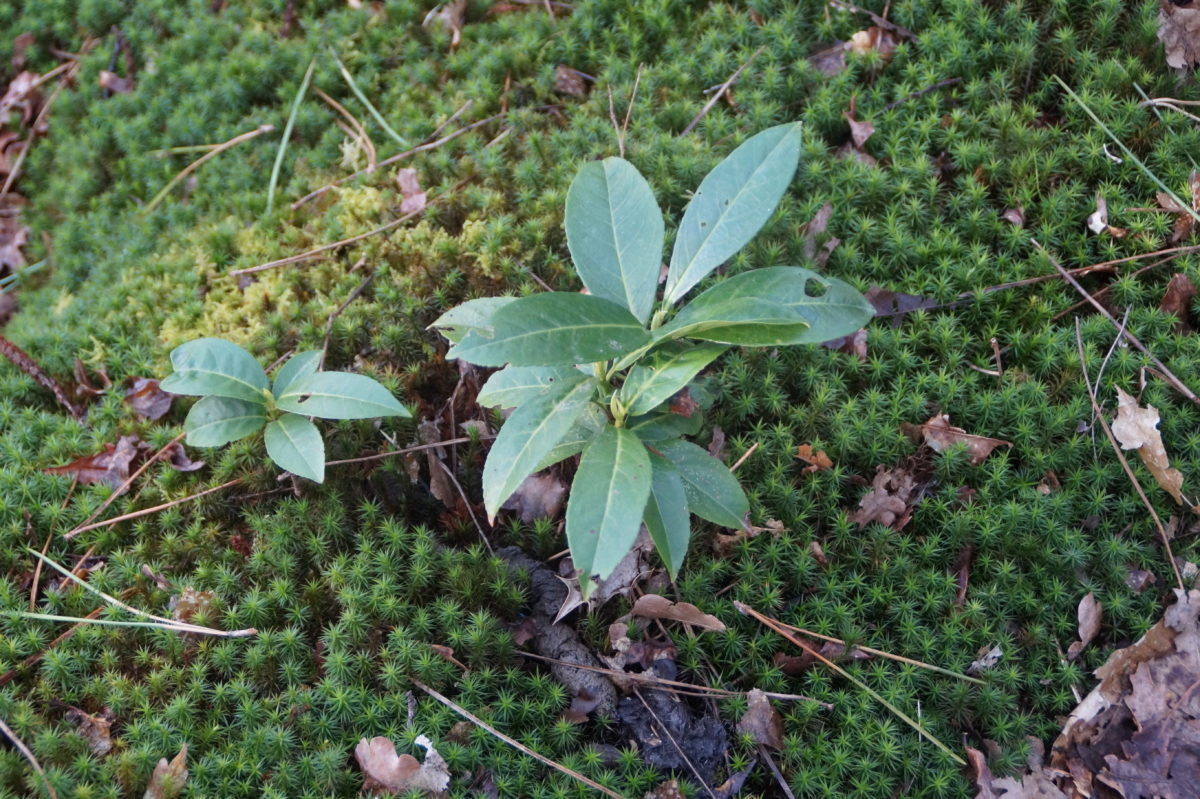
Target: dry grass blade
147 511
775 626
720 92
199 162
466 714
1162 531
28 755
1132 339
21 359
355 130
32 660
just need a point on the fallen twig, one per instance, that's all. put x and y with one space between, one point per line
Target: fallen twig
466 714
147 511
29 366
121 489
679 749
192 167
1162 531
28 755
719 93
1132 339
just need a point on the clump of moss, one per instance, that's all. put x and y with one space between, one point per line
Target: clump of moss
351 584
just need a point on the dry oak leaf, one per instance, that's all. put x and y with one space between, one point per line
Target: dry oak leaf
1185 219
1090 614
940 436
384 770
1137 428
147 399
653 606
168 778
110 467
761 721
888 501
1179 32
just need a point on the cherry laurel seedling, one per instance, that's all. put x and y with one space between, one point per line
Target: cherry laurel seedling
238 401
594 373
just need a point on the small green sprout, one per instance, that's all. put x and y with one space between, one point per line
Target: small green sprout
594 373
238 401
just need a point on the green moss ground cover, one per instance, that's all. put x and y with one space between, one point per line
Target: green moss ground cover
352 582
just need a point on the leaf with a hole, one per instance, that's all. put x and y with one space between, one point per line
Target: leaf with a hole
615 234
608 497
732 203
295 444
528 436
215 421
302 364
339 395
555 329
215 367
473 316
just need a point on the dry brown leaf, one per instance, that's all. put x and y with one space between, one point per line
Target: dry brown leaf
22 94
439 482
384 770
854 344
815 228
653 606
581 705
1179 32
191 603
1049 483
818 554
895 304
817 461
410 189
628 572
148 400
668 790
761 721
540 496
96 730
985 659
1137 428
873 39
1090 614
20 44
1015 216
1098 221
891 498
13 235
168 778
569 82
450 16
1036 783
940 436
111 466
1177 300
859 133
830 61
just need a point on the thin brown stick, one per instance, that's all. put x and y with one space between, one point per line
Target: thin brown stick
775 772
421 148
466 503
878 20
719 93
637 81
121 489
199 162
687 688
466 714
745 455
880 653
147 511
28 755
1106 289
450 120
72 67
392 453
1029 281
1162 531
23 361
687 760
37 573
359 289
358 130
941 84
1132 339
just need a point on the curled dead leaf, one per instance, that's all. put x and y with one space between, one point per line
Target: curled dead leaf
169 777
1179 32
1090 614
115 83
939 435
1177 300
1137 428
96 730
450 16
653 606
1098 221
817 461
761 721
148 400
385 770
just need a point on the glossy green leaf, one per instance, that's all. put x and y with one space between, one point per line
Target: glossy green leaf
215 421
339 395
215 367
733 202
513 385
554 329
615 234
662 374
295 444
660 426
608 498
302 364
713 493
528 436
743 321
831 308
472 316
666 514
586 427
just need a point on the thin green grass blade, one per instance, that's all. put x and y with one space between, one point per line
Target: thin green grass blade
362 98
287 133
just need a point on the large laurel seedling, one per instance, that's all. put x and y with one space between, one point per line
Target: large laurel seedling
594 373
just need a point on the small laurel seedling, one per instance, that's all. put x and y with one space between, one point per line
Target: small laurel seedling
594 373
238 400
